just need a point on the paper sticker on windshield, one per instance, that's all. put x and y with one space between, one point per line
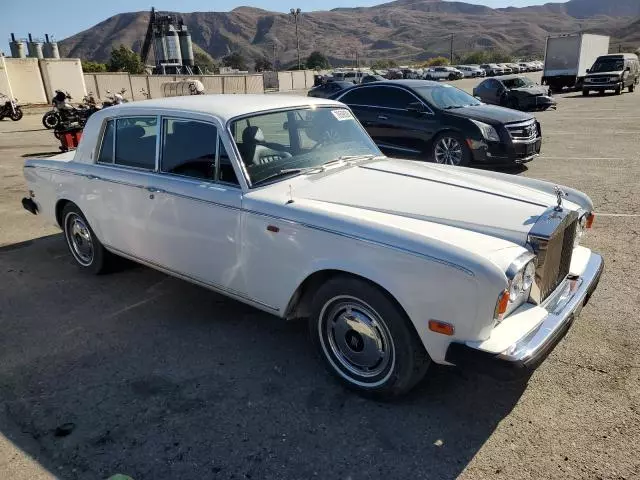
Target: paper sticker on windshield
342 114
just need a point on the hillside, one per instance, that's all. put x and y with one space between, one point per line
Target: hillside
403 29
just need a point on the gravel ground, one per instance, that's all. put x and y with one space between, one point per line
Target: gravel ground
162 379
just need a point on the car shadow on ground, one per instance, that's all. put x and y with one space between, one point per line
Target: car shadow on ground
139 373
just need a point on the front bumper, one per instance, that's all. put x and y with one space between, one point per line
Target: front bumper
529 351
503 153
600 87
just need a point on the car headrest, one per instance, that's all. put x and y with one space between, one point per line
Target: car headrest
252 134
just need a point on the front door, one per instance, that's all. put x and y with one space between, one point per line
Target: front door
194 220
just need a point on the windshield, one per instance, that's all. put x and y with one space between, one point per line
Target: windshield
608 65
446 96
518 82
298 139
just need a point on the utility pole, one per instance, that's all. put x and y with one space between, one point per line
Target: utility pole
451 56
357 61
295 13
275 58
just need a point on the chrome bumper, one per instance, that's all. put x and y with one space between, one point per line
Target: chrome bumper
563 306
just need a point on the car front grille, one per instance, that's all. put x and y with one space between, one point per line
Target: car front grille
599 79
554 258
523 131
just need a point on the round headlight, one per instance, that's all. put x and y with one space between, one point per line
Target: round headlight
528 276
516 287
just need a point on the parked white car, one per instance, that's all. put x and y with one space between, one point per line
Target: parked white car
492 69
285 203
470 71
443 73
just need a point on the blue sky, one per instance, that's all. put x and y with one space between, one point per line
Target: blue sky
35 16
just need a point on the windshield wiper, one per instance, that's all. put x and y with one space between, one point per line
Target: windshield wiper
280 173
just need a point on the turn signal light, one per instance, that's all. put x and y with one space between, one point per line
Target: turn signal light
503 303
441 327
590 219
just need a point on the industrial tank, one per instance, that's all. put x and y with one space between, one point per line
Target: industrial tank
184 87
174 54
18 47
50 48
186 46
35 48
160 49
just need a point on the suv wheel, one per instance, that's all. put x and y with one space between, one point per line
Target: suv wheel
585 93
632 87
450 149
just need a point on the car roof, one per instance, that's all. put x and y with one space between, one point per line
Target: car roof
411 83
620 56
223 106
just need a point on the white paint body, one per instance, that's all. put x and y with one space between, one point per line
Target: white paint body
439 239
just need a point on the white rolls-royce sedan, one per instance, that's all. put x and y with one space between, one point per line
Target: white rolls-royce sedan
285 203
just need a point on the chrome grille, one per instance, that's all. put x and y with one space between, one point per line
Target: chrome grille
523 131
599 79
554 252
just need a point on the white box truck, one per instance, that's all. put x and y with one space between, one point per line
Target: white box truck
567 58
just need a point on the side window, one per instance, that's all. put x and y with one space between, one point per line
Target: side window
361 96
136 142
226 172
106 149
396 98
189 148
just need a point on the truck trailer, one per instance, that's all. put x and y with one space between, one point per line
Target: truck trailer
567 58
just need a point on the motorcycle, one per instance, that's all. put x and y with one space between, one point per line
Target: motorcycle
9 108
64 113
115 99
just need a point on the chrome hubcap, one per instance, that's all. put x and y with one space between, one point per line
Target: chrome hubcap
448 151
79 239
357 341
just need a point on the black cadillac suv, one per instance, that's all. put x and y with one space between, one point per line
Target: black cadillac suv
424 120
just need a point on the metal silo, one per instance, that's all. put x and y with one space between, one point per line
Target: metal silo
50 48
35 48
18 47
173 46
160 48
186 46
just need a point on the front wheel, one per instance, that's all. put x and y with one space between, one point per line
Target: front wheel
51 119
365 339
618 91
451 149
585 93
632 87
83 244
514 104
16 114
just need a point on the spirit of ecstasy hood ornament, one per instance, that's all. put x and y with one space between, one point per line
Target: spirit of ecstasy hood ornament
559 195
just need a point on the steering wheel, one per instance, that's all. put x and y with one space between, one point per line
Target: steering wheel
330 135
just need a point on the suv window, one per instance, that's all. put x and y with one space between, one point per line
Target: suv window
106 150
189 148
136 142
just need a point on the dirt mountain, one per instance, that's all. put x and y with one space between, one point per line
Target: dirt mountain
403 29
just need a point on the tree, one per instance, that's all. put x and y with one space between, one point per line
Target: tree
93 67
317 61
383 63
235 60
436 62
263 64
204 61
124 59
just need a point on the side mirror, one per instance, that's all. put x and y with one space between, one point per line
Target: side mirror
416 107
588 70
628 69
477 97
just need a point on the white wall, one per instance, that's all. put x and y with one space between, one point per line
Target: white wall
63 74
26 80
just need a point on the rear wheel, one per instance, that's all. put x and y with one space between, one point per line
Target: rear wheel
365 339
451 149
83 244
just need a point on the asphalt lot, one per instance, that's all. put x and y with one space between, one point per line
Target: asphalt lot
163 379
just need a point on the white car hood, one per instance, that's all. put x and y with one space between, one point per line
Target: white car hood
486 203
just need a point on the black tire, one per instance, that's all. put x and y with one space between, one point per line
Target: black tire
600 92
452 77
618 91
84 246
397 357
514 104
16 114
50 120
632 88
466 151
585 93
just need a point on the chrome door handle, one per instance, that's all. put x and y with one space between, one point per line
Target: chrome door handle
92 177
154 190
383 117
